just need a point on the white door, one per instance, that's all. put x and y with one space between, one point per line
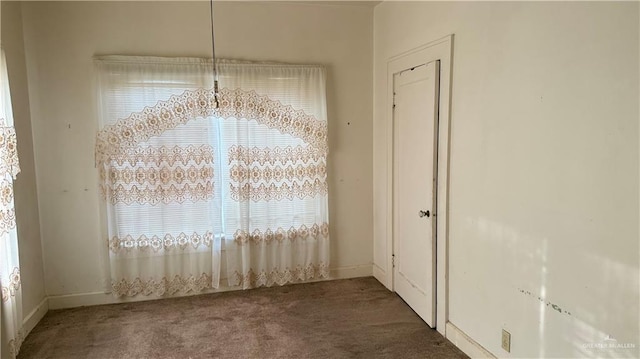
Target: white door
414 183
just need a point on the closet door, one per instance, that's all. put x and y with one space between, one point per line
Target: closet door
415 164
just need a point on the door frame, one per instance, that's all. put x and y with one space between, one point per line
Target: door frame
441 49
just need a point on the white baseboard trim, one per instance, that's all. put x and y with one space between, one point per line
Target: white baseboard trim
380 275
100 298
89 299
363 270
466 344
35 316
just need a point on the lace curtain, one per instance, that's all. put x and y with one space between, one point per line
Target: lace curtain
195 193
11 308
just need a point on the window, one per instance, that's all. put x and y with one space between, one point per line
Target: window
188 186
11 306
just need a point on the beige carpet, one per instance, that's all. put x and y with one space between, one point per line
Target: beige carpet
354 318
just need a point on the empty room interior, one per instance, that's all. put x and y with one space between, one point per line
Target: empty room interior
319 179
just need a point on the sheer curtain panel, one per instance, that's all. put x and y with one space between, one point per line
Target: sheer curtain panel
11 309
194 193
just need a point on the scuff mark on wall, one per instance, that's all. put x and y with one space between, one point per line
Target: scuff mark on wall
553 306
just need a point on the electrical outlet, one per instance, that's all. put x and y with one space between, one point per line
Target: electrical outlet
506 341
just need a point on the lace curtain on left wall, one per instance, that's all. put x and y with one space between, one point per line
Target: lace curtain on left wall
11 308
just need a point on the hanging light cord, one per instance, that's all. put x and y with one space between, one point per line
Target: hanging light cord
213 58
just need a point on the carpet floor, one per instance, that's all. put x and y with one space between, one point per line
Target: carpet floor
353 318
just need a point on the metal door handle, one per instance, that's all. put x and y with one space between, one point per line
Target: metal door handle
423 213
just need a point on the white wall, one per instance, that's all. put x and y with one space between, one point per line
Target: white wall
26 199
62 37
543 168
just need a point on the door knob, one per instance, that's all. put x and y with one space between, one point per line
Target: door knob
423 213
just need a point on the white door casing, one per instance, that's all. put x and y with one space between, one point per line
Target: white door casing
442 50
414 187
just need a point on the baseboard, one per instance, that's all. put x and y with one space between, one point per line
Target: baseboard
466 344
380 275
91 299
35 316
358 271
100 298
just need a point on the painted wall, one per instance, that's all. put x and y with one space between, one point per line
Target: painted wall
543 169
62 37
25 194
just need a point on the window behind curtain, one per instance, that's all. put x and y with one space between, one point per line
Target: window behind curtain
249 181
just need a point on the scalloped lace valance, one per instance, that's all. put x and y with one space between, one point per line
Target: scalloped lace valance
139 127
